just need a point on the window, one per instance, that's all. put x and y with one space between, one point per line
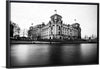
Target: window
50 37
59 27
71 30
59 33
51 28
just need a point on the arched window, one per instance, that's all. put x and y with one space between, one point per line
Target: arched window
50 37
59 27
59 32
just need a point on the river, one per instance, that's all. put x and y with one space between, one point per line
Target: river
53 54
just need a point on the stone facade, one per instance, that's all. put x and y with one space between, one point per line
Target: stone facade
56 29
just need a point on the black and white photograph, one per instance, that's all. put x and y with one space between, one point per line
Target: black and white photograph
52 33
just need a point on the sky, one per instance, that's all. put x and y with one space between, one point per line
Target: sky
24 14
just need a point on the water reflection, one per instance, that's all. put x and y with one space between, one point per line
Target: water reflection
29 54
89 51
53 54
71 54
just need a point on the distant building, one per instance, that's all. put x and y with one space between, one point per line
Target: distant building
56 29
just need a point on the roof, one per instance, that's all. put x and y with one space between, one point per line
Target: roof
56 15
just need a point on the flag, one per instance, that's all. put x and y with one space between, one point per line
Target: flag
32 24
55 11
74 19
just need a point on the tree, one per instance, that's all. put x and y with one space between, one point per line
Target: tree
11 29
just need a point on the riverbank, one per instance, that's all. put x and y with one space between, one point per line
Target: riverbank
48 42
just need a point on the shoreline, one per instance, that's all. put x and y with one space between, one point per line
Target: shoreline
49 42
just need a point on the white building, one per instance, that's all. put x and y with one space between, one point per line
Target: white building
56 29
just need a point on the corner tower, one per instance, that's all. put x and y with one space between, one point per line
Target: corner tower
56 17
56 24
